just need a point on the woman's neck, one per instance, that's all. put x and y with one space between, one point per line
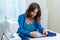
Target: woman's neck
29 20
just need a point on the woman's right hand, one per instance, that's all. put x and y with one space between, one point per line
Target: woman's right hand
33 34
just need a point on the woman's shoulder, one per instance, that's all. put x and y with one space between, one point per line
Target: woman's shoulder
22 15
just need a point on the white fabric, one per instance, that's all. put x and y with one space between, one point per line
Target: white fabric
57 37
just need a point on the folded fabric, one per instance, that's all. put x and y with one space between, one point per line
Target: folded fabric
50 34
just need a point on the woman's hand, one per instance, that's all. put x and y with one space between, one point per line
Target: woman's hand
45 32
33 34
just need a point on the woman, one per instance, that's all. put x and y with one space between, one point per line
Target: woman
29 22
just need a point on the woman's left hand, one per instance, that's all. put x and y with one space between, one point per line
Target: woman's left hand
45 32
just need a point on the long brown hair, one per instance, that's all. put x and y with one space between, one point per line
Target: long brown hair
31 8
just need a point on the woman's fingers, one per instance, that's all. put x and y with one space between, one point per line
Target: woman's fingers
33 34
45 32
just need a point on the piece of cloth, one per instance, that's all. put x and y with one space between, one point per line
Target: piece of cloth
50 34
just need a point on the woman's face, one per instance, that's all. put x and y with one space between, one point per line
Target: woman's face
34 13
